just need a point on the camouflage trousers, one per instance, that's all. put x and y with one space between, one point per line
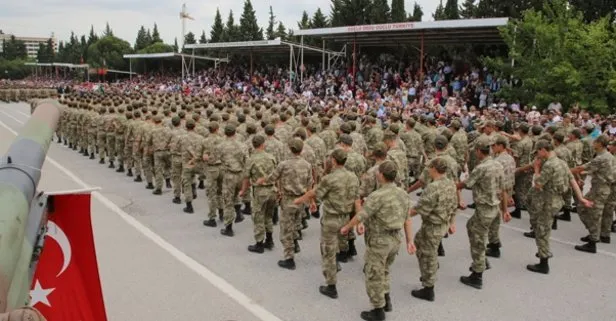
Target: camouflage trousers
92 142
414 168
188 179
137 162
607 217
119 148
427 240
231 185
162 165
110 142
477 228
331 239
288 224
542 209
101 143
591 217
176 175
494 231
264 204
201 170
147 165
128 155
213 189
523 183
381 252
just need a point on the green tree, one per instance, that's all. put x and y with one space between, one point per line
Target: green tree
141 41
305 22
249 28
155 35
92 37
231 31
319 20
14 49
270 32
108 32
189 38
202 39
157 47
379 12
451 10
42 54
595 9
439 13
417 13
337 15
109 51
148 38
218 28
175 45
468 9
281 31
398 12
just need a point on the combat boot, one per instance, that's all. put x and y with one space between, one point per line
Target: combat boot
220 214
256 248
247 209
176 200
427 293
189 208
329 290
168 182
210 223
157 192
74 146
530 234
516 213
342 257
120 169
566 215
149 186
91 155
275 217
493 250
605 239
300 236
475 280
111 165
352 250
102 161
129 173
193 188
316 214
70 145
297 248
614 227
555 224
138 179
201 184
59 140
441 249
304 223
471 205
227 231
269 241
66 143
590 247
288 264
373 315
585 239
239 217
388 307
542 267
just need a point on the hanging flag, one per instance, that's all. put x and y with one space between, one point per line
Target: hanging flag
66 284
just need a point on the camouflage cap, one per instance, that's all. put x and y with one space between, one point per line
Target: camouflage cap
175 120
257 141
559 136
603 140
346 139
296 145
455 124
158 118
190 124
340 156
389 170
440 141
213 125
501 140
379 150
389 135
483 143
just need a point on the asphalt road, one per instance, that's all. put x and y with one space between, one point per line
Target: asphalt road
158 263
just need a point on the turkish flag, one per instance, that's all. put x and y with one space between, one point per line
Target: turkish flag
66 284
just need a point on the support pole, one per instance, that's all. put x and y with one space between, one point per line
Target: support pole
183 67
290 61
323 56
192 58
301 53
421 57
251 63
354 58
130 68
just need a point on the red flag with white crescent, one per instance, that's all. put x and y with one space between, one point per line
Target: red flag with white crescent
66 284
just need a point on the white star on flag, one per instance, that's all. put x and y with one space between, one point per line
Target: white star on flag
38 294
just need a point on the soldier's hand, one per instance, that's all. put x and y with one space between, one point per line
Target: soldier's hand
260 181
313 207
410 248
452 229
345 230
462 205
241 193
361 229
506 217
587 203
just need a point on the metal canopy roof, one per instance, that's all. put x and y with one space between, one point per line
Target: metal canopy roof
276 46
477 31
56 64
163 55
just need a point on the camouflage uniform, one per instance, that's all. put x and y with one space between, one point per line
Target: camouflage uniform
414 151
601 168
213 176
175 148
110 127
148 155
383 214
160 140
338 192
233 157
523 181
120 131
261 164
438 200
192 150
508 164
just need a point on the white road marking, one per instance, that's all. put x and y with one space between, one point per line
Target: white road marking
11 117
220 283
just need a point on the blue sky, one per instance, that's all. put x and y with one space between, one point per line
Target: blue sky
42 17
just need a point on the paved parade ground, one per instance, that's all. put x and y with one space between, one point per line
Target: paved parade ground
158 263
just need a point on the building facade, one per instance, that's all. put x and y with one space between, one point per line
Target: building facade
32 43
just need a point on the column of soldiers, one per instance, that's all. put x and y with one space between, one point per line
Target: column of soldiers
354 173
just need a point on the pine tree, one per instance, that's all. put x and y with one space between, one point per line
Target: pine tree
281 31
108 32
398 13
175 45
270 32
468 9
141 41
451 10
249 28
337 15
155 35
439 13
319 20
92 37
379 12
203 39
231 31
148 38
305 22
217 28
417 13
189 39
